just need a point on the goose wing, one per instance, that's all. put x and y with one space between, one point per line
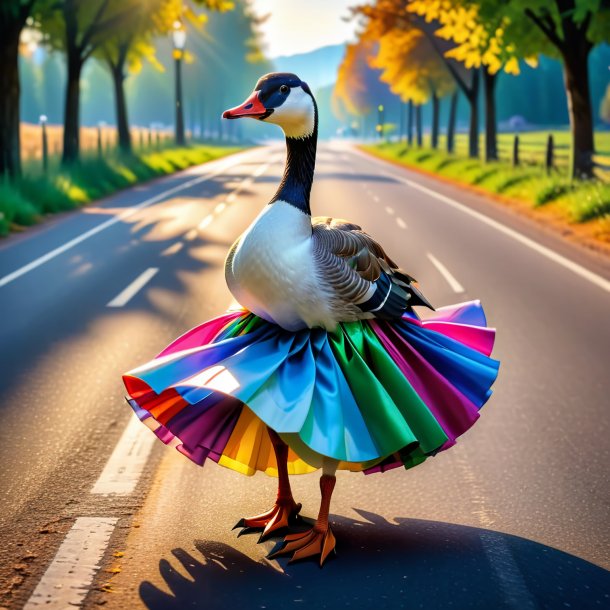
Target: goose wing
360 271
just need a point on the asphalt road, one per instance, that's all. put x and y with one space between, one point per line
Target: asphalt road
95 511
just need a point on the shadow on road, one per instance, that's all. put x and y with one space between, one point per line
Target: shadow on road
410 564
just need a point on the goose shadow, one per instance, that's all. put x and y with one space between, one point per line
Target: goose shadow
407 564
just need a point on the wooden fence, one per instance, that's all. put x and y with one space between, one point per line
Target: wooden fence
92 140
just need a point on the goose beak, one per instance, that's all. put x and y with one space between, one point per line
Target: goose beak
252 107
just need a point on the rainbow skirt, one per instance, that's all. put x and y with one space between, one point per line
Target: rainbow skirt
373 395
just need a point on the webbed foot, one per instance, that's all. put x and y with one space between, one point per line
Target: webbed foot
281 516
310 543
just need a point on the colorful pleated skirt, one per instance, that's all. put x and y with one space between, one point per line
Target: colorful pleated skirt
373 395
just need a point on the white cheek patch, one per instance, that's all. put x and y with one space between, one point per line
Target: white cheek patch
296 116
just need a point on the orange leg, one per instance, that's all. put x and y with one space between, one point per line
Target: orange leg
319 540
285 510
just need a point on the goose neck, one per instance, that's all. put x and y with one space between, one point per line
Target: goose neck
295 187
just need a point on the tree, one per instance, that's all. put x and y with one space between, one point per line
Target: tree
351 89
125 47
604 107
567 29
387 15
477 42
78 28
413 71
13 17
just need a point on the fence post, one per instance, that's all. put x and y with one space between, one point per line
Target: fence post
45 143
100 150
548 162
516 151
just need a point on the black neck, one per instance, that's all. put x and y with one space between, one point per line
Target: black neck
298 173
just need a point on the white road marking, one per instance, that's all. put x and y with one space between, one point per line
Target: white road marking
579 270
455 285
126 464
389 210
231 197
112 221
172 249
68 578
191 235
128 293
219 208
375 199
401 223
205 222
261 170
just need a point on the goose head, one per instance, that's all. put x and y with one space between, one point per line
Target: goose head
281 98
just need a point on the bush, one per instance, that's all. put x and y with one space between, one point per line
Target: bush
27 199
15 209
554 189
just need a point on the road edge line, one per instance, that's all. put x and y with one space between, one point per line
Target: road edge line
10 277
577 269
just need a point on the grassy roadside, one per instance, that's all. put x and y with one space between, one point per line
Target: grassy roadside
28 200
582 207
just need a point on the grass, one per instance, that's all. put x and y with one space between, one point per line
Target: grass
575 201
26 201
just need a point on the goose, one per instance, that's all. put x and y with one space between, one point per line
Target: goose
300 271
328 366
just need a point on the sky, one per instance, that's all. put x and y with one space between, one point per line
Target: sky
298 26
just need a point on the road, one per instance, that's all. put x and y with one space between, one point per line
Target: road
95 511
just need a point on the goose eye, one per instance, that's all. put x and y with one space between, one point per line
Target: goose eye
284 88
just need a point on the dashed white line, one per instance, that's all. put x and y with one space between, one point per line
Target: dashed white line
375 199
231 197
128 293
173 249
205 222
126 464
68 578
401 223
191 235
126 214
455 285
389 210
261 170
583 272
220 208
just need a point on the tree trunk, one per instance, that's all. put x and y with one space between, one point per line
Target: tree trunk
124 137
491 138
10 157
572 42
451 123
435 109
473 128
418 126
410 124
72 109
576 76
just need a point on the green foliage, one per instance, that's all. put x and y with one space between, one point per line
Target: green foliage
552 190
26 201
590 202
582 201
14 208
